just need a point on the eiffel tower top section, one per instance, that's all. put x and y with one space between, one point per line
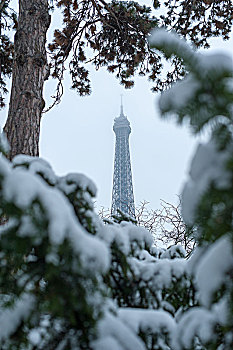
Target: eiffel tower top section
121 122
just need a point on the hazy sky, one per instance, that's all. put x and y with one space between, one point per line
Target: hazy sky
77 136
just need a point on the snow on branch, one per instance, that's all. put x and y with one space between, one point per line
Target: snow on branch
10 318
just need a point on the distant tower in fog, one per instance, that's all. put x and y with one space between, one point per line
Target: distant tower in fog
122 193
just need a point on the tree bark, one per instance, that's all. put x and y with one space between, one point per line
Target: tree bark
30 70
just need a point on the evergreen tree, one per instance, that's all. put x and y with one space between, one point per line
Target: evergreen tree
204 99
58 287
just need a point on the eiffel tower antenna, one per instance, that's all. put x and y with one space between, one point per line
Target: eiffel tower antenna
122 112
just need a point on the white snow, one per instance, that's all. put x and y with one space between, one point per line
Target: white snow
145 255
106 343
34 337
208 165
171 43
113 331
196 96
175 251
5 166
161 272
215 64
137 234
11 318
195 322
4 145
24 189
212 269
125 235
201 322
180 95
67 184
36 165
71 182
144 320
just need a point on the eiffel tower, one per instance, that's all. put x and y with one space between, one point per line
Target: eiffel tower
122 193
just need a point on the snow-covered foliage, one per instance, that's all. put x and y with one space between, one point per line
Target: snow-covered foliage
205 97
70 282
208 166
47 254
75 273
139 275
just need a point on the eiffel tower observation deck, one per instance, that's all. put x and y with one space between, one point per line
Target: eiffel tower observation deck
122 193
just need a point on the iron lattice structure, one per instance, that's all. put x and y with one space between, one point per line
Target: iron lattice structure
122 193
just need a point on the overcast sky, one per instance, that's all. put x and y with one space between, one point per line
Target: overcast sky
77 136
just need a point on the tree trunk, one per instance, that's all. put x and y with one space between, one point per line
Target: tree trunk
30 69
